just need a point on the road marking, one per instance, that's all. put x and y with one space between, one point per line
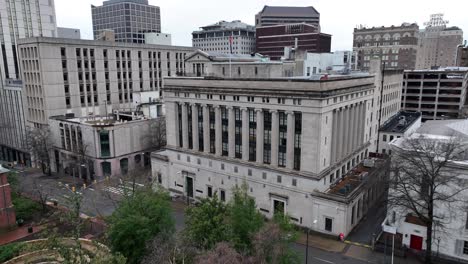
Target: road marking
326 261
357 244
91 189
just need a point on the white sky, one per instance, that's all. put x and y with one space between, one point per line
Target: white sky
337 17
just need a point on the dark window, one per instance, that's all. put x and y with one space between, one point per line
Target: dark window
328 224
209 191
222 195
105 144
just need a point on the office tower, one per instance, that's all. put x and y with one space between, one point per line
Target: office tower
20 19
217 38
129 19
282 15
438 44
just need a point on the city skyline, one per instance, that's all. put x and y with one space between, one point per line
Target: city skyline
339 22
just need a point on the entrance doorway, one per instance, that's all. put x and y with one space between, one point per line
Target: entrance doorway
278 207
189 184
416 242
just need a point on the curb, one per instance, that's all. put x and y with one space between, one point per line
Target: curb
358 244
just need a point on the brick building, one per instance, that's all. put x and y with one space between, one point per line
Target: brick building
271 40
7 213
397 46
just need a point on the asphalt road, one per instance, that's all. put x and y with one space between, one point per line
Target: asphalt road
101 200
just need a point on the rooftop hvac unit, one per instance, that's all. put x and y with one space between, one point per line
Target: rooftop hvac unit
369 163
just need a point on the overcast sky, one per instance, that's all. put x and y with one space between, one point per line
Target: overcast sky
337 17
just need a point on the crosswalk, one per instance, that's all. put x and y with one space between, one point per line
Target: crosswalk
125 188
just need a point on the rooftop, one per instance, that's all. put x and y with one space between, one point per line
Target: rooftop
448 128
445 69
400 122
225 25
117 118
290 11
359 175
110 2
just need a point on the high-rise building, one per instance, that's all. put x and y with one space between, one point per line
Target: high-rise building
438 44
282 15
272 40
217 38
437 94
20 19
129 19
397 46
90 77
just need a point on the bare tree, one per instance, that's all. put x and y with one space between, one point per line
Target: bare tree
40 144
169 249
423 179
156 136
42 193
222 253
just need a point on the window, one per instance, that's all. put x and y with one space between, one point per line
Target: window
222 166
159 178
235 169
294 182
264 176
105 144
384 138
328 224
209 191
249 172
278 178
222 195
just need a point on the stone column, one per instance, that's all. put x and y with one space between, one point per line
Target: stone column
260 132
339 147
206 129
334 136
245 134
195 127
346 130
290 140
357 126
185 143
218 131
172 124
352 120
363 122
274 137
231 132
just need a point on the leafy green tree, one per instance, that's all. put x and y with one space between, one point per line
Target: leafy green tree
206 224
244 219
137 220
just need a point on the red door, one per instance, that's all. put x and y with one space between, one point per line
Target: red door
416 242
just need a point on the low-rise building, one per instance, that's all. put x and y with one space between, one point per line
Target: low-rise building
403 124
97 146
7 212
462 55
158 39
450 229
284 137
328 63
437 94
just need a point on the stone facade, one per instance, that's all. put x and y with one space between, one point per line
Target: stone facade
40 17
284 137
397 46
87 77
109 145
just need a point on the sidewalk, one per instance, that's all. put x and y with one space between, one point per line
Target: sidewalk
322 243
19 233
370 256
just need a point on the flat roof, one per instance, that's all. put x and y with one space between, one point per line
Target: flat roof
445 69
400 122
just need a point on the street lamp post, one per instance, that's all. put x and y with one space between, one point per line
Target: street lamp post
307 241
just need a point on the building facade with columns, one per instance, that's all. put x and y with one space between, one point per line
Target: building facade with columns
295 142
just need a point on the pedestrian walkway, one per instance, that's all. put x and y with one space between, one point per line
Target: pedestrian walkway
19 233
322 243
366 254
123 189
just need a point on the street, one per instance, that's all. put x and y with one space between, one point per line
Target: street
101 200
